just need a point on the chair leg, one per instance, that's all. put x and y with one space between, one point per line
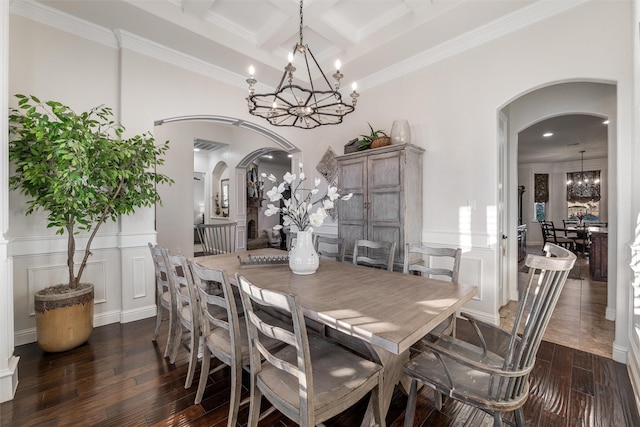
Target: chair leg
204 374
160 309
236 387
519 416
411 403
254 404
177 340
193 357
497 419
438 399
171 335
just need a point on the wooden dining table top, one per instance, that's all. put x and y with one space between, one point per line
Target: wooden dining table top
389 310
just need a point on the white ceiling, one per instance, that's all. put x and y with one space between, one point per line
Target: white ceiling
376 40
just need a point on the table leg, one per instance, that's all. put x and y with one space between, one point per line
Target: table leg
393 372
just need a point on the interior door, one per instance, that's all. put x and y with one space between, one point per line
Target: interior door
504 233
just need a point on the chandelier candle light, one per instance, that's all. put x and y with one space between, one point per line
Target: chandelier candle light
298 211
294 105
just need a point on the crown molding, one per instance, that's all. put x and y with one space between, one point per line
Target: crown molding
62 21
522 18
162 53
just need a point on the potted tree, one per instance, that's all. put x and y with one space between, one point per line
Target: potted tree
82 172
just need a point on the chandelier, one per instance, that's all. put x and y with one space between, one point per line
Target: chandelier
584 178
297 106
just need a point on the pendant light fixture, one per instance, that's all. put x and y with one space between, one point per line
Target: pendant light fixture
297 106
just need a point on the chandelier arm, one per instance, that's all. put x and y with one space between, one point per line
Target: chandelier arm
321 72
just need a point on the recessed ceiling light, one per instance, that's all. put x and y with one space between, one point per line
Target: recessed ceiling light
289 155
606 122
548 134
196 149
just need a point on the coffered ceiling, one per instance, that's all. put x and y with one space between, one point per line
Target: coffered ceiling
376 40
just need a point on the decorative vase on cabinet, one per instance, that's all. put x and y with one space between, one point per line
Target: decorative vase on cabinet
303 258
400 132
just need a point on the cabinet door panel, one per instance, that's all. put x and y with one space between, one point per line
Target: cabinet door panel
385 171
352 210
385 206
352 177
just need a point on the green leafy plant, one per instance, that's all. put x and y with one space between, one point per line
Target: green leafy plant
80 169
365 140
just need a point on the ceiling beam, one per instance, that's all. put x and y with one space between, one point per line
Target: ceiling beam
197 7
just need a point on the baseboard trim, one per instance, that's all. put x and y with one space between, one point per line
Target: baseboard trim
610 314
620 353
9 380
481 315
138 314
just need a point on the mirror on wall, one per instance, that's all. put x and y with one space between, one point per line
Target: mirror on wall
220 191
224 190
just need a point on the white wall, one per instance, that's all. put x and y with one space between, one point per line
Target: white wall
451 105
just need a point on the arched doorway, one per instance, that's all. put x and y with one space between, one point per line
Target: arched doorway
557 99
240 142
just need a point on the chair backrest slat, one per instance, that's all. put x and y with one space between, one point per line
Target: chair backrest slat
181 280
330 247
217 239
432 254
160 266
374 254
217 307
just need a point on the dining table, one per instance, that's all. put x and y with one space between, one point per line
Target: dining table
388 311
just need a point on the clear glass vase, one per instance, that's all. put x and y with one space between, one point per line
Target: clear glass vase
400 132
303 258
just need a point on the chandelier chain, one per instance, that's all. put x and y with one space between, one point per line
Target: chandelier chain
301 25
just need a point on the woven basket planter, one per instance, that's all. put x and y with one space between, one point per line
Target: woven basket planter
381 142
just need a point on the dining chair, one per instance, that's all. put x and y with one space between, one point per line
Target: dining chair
491 371
188 313
549 235
224 332
217 239
439 262
165 299
309 380
579 234
329 247
374 254
221 331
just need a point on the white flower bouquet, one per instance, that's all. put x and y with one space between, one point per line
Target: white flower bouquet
298 208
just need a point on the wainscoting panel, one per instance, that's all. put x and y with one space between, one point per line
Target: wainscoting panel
138 269
41 277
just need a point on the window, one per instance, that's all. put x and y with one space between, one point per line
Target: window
590 211
540 210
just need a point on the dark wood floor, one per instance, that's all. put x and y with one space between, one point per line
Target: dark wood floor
119 378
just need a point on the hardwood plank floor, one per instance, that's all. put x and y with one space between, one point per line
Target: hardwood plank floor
578 320
120 378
